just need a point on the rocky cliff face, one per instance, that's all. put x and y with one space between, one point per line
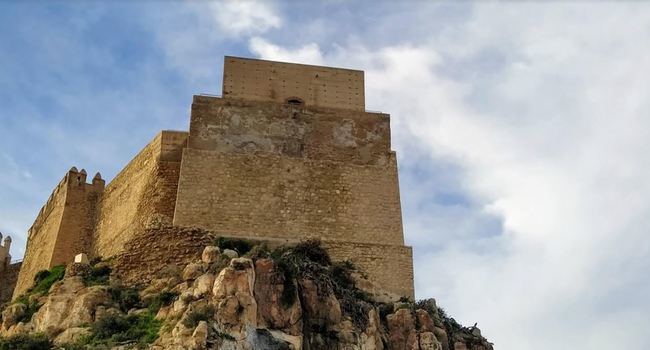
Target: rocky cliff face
290 298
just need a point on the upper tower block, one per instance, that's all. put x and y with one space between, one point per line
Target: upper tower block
261 80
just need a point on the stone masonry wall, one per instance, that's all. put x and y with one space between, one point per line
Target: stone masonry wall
78 220
261 80
145 188
263 195
8 277
238 126
388 266
42 238
156 248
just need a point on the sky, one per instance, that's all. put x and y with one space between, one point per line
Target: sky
522 131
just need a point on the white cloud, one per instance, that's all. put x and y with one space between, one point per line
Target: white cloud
555 141
245 17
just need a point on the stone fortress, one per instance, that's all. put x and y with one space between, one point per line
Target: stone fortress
286 154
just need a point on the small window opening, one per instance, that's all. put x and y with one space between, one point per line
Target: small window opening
295 101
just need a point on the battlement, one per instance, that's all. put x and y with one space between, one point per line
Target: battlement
5 248
73 180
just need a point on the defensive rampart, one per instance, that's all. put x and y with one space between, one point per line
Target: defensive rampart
62 227
145 188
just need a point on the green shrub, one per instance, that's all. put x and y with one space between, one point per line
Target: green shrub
32 307
222 262
99 275
241 246
45 279
313 251
142 328
200 314
26 342
126 298
161 299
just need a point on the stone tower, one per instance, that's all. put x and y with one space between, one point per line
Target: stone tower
286 154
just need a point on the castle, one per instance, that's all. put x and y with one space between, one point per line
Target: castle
286 154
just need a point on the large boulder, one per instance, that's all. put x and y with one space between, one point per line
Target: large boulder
320 309
51 317
371 338
193 271
272 310
12 314
71 335
210 254
233 295
401 330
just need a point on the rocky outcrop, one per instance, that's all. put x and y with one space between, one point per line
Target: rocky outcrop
250 303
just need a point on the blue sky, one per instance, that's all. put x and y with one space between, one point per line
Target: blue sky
522 133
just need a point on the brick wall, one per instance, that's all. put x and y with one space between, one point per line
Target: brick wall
157 248
262 80
263 195
144 188
388 266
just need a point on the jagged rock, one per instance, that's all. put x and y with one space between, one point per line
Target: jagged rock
272 312
401 330
192 271
263 339
244 307
442 337
428 341
424 321
203 285
12 314
371 337
51 317
200 336
321 310
230 253
71 335
233 295
210 254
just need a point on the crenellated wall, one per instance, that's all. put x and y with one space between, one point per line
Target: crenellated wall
62 228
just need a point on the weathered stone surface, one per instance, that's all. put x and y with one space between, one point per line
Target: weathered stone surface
230 253
424 321
210 254
428 341
272 312
320 310
200 336
12 314
193 271
71 335
401 330
203 285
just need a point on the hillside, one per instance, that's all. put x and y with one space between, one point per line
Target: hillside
241 295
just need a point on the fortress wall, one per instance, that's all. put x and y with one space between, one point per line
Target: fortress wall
157 248
145 188
262 80
9 277
264 195
239 126
42 237
77 223
388 266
